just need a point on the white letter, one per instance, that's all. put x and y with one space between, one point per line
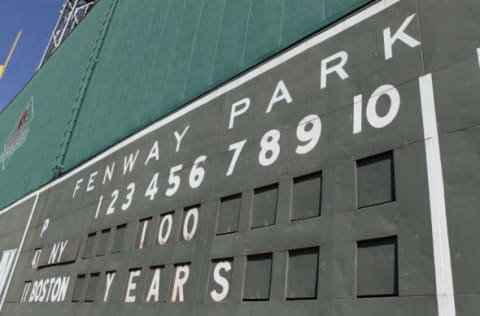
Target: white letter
63 245
43 292
188 234
109 281
108 172
181 277
33 293
389 40
91 180
38 293
63 289
45 226
56 290
220 280
53 253
129 298
281 93
338 68
77 186
49 292
129 162
154 290
154 153
244 104
179 137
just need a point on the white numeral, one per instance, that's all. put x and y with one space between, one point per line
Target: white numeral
173 181
111 207
152 187
164 233
237 149
270 149
99 205
197 174
129 196
189 230
309 131
373 118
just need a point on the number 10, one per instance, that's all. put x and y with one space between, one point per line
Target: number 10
373 118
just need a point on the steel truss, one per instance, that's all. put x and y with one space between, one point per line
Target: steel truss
73 11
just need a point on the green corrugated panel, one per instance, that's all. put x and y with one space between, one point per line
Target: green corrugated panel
335 9
53 89
160 54
300 18
233 36
264 31
157 55
178 70
203 57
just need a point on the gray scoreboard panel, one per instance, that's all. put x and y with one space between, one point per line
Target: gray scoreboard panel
311 185
14 224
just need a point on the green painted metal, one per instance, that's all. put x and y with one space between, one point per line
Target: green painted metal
162 54
82 89
53 89
155 56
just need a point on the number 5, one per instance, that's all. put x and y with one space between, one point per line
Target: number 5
173 181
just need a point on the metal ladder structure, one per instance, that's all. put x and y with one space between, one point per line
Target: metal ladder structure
73 11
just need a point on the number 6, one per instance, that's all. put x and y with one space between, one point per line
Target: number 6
197 173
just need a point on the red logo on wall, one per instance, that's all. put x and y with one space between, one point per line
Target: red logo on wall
18 135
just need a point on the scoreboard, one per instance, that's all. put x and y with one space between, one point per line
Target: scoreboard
312 184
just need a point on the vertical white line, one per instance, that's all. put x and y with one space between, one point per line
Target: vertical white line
441 248
478 54
19 250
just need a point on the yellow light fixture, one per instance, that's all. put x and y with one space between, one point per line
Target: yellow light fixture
5 64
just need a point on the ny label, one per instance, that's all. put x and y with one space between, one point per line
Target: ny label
57 252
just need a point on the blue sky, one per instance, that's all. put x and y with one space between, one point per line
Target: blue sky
37 19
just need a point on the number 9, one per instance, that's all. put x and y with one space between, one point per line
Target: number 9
309 131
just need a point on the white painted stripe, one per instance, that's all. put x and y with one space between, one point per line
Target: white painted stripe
19 250
478 54
438 214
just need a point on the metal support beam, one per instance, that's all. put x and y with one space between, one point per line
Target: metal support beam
73 11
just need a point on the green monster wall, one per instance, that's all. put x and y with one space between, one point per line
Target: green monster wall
337 178
129 63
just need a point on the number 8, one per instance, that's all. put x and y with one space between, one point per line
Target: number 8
269 144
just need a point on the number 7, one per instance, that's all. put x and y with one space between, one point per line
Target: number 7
237 148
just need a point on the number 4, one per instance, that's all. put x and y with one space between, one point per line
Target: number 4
152 187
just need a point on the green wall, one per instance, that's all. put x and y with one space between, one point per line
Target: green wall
130 63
